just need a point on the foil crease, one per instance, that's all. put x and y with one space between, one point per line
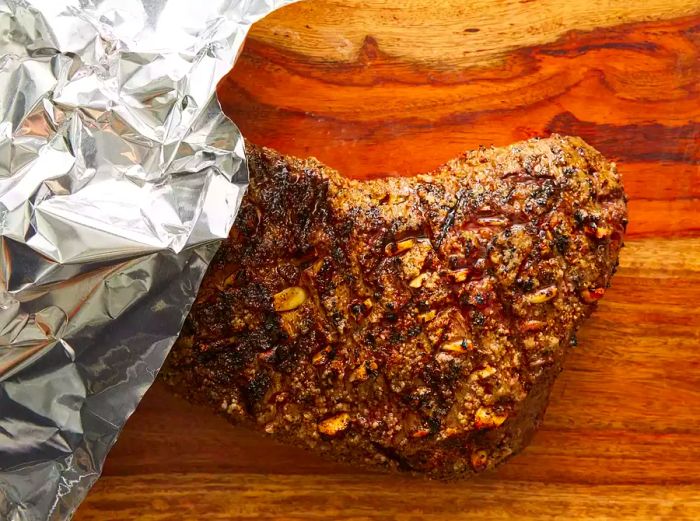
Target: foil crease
119 175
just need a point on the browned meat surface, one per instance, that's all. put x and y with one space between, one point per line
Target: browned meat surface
413 323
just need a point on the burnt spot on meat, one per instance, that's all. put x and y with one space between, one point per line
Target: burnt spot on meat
477 317
561 243
526 285
541 196
433 424
413 331
428 316
580 217
396 336
255 390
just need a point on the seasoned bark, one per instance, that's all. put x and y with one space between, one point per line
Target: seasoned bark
415 323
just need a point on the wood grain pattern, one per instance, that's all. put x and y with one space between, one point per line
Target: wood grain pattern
389 87
255 496
632 90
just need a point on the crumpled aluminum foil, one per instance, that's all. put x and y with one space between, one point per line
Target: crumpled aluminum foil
119 174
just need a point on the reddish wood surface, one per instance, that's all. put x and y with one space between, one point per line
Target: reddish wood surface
350 83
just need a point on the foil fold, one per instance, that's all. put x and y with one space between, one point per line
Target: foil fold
119 175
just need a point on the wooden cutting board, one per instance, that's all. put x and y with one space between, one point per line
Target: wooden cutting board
397 87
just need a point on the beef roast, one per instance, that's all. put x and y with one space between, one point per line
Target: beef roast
411 323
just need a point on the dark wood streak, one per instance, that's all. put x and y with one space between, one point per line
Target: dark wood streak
622 46
631 143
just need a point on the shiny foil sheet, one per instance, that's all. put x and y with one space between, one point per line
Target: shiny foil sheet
119 174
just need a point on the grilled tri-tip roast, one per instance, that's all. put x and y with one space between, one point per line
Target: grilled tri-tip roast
412 323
